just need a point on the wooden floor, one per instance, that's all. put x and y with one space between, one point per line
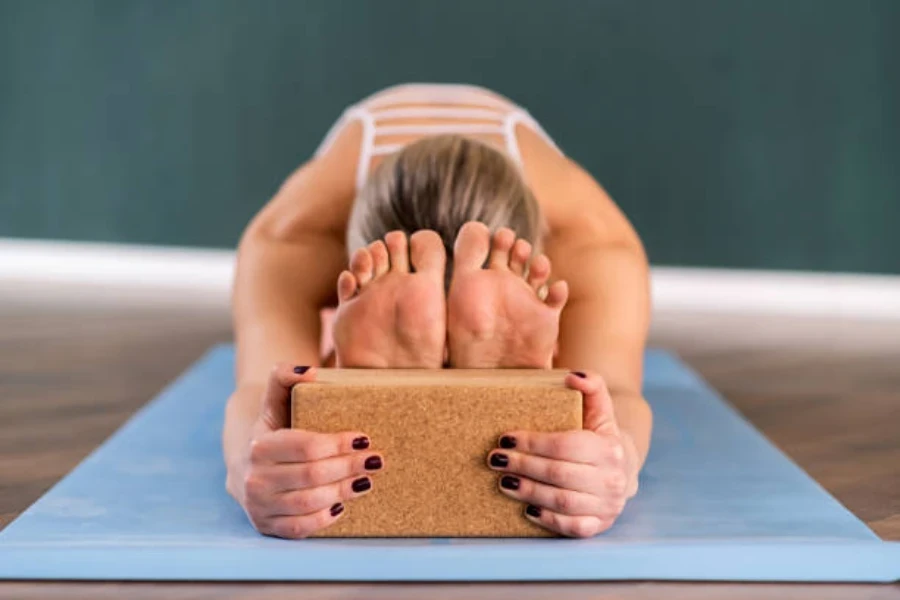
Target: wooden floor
827 393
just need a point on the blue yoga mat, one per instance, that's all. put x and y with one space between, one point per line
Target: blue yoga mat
717 502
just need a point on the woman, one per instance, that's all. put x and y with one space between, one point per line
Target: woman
454 208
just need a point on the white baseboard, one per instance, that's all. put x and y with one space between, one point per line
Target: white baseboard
783 293
36 271
47 272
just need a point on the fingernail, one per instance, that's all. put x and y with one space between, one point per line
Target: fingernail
508 442
579 374
499 460
373 463
337 509
300 370
361 485
509 482
361 443
533 511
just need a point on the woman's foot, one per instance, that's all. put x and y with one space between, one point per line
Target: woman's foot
495 314
388 316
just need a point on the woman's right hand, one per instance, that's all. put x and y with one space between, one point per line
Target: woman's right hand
293 483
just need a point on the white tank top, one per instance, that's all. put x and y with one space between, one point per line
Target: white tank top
449 108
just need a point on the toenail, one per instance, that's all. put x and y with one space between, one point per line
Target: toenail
337 509
579 374
373 463
361 443
533 511
300 370
507 442
499 460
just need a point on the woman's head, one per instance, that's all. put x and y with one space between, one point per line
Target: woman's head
440 183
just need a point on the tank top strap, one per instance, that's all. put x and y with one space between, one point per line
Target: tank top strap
463 109
522 116
356 112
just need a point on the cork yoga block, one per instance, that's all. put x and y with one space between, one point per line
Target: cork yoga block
435 429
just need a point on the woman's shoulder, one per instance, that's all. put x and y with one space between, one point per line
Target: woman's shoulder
318 195
571 199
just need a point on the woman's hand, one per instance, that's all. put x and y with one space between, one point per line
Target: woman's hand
575 483
290 482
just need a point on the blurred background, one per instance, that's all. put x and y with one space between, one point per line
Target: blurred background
743 133
755 144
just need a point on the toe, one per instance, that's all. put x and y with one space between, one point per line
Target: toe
380 261
519 256
361 266
539 272
427 254
346 286
472 247
502 243
557 294
398 249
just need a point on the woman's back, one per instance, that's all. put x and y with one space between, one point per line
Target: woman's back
397 116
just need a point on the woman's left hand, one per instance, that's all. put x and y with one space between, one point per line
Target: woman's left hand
575 483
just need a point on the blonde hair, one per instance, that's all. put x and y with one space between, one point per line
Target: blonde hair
440 183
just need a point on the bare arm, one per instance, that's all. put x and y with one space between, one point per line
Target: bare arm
605 323
603 329
288 261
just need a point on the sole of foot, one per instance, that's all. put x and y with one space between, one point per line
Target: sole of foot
500 312
392 309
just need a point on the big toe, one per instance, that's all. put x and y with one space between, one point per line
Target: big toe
472 247
427 254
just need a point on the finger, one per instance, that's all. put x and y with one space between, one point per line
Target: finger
298 527
298 445
598 412
580 446
571 476
298 476
283 377
559 500
567 525
312 500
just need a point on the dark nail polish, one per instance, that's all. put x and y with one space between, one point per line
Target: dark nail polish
499 460
509 482
579 374
361 485
373 463
533 511
300 370
337 509
361 443
508 442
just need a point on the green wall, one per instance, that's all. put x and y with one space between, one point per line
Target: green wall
740 133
